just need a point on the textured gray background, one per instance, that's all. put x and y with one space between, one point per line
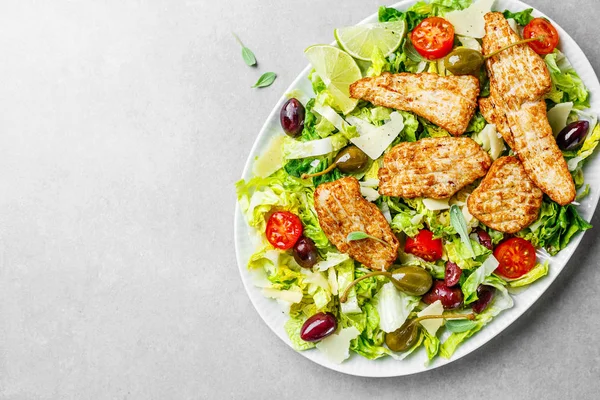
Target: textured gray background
123 127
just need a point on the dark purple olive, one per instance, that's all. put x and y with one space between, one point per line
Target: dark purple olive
484 239
318 326
292 117
485 294
305 252
452 275
450 297
573 135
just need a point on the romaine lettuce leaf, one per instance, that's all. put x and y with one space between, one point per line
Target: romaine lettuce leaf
440 7
566 80
258 196
407 221
370 342
431 343
292 328
345 275
590 143
555 227
537 272
476 278
412 18
501 302
522 17
460 254
393 307
438 222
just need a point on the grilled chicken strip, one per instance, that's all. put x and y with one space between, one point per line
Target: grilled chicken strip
447 101
520 78
432 167
341 210
507 200
519 73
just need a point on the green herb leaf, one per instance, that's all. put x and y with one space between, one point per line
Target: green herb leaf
460 325
358 235
412 53
265 80
248 56
459 224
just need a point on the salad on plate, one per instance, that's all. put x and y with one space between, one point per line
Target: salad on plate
431 175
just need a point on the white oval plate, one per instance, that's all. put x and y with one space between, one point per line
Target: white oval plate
270 311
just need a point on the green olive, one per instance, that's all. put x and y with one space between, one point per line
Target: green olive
351 160
414 281
404 337
463 61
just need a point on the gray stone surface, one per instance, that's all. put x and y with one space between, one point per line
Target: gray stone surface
124 126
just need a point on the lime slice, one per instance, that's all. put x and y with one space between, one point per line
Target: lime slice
360 40
338 70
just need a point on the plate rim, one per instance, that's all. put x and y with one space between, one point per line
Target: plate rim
509 317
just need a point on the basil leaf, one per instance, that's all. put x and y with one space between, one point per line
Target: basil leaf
248 56
265 80
460 325
358 235
412 53
459 224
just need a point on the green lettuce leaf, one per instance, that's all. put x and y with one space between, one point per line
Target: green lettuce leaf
432 130
566 80
537 272
370 342
476 278
461 255
412 18
440 7
438 222
501 302
522 17
345 275
393 307
292 328
407 221
476 124
555 227
258 196
431 343
590 143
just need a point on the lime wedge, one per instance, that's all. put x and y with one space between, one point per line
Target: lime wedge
360 40
338 70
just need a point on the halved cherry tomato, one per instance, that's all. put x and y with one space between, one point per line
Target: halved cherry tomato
283 229
516 257
433 38
541 27
425 246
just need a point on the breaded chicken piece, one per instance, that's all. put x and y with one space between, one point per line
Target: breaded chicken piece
432 167
494 114
535 145
507 200
518 80
519 73
447 101
341 210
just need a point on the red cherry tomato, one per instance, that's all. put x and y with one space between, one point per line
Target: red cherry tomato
425 246
433 38
516 257
541 27
283 229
